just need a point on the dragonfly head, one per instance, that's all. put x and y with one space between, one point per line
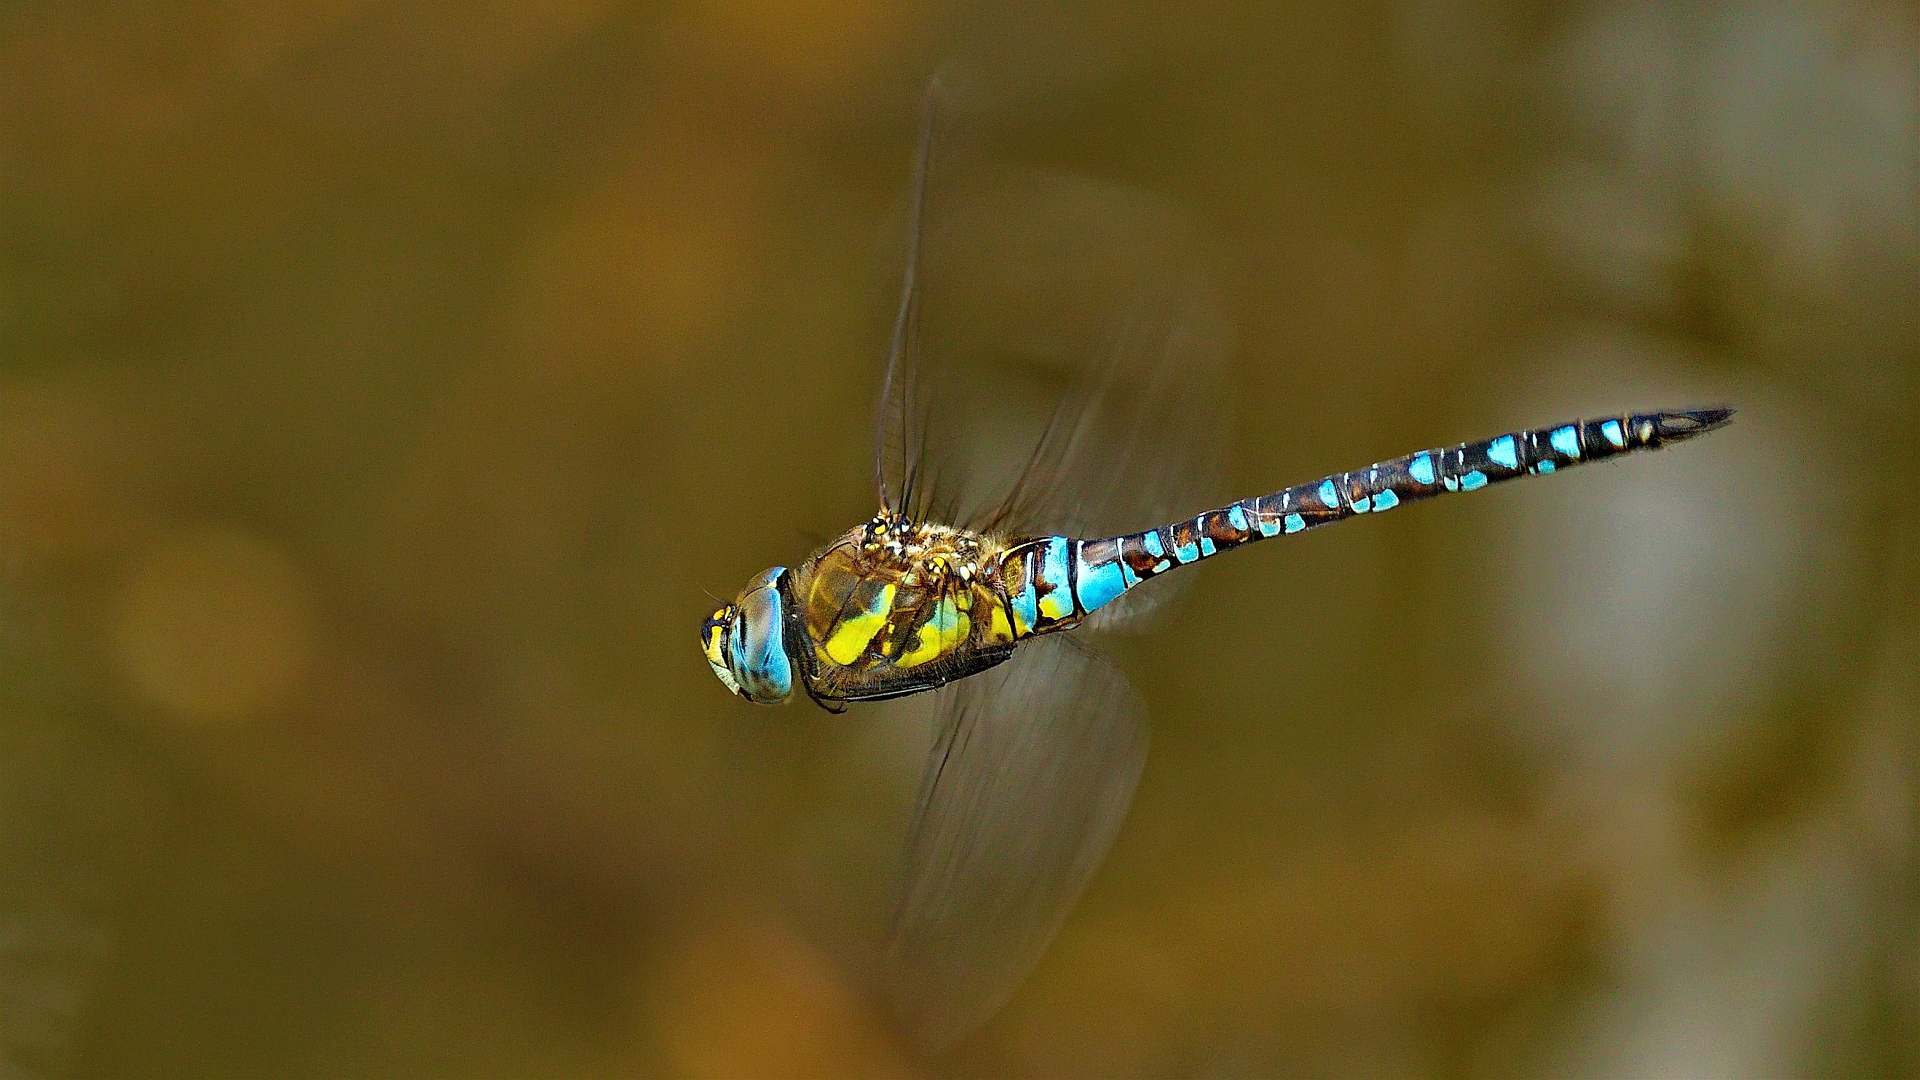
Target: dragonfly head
745 642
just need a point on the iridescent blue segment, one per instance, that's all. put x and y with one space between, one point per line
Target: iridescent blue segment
1103 569
1026 608
1467 467
1056 588
1053 561
1098 577
1023 594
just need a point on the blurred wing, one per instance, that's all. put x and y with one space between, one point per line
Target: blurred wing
1059 355
897 427
1033 765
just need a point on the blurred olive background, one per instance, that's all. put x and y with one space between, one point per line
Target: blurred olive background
383 383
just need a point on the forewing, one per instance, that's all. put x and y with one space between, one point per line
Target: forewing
899 424
1033 765
1071 372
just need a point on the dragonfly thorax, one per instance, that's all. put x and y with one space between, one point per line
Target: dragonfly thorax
922 551
896 605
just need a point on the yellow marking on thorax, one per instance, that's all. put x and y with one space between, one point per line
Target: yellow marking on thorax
946 629
849 641
998 628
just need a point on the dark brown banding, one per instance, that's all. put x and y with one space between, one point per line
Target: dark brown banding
1133 550
1184 537
1355 485
1273 508
1016 570
1219 529
1096 552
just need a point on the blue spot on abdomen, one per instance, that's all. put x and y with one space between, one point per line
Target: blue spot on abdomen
1096 586
1025 609
1058 602
1500 451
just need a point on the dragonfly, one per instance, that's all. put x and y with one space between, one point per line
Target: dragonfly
1039 740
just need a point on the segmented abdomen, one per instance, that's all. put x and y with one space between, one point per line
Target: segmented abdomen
1054 582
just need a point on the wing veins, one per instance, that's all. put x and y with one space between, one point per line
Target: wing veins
906 325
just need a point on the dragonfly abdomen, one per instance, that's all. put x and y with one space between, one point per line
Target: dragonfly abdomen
1470 467
1055 581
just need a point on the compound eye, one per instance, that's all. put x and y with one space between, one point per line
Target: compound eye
758 655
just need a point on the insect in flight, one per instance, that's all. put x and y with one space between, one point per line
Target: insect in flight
1039 741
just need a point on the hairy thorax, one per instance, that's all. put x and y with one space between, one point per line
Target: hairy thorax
893 606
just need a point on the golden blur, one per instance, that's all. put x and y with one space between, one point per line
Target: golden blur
213 625
743 996
385 384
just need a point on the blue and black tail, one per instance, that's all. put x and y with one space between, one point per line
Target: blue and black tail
1097 571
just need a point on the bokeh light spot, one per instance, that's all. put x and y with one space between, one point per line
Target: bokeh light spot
743 996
